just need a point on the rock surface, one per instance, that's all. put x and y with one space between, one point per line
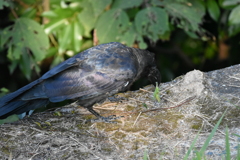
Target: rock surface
189 104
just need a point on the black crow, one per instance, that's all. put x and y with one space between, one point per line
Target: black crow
88 77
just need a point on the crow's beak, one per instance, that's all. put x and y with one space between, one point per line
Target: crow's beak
154 75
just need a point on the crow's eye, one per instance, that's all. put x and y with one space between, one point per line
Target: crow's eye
126 83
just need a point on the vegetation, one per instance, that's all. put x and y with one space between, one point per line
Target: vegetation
36 35
33 31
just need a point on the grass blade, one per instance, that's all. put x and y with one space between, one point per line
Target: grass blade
238 152
205 145
228 155
145 156
191 147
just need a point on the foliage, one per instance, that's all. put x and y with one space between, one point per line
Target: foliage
4 3
22 38
156 93
9 119
70 25
74 25
3 91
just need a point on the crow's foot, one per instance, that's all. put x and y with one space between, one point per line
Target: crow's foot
109 119
115 98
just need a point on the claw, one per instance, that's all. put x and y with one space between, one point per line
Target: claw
116 99
109 119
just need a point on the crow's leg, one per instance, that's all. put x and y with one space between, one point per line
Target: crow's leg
109 119
115 98
88 103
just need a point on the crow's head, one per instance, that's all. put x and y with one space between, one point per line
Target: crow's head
147 66
154 75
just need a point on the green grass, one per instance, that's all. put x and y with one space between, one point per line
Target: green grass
200 155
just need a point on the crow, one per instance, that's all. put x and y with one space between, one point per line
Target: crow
88 77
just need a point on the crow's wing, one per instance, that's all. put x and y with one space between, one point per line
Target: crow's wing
98 70
82 83
61 67
94 54
71 62
90 74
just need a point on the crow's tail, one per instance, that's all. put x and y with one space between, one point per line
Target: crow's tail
14 104
20 106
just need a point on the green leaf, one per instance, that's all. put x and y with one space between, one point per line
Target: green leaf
156 93
3 3
145 105
23 36
129 36
192 34
13 66
39 124
141 42
26 64
165 36
49 14
99 6
87 44
29 13
120 4
55 25
57 113
111 25
56 60
64 12
28 34
14 53
213 9
190 16
152 22
132 12
228 3
87 17
78 32
9 119
65 38
156 3
234 16
3 91
51 52
30 2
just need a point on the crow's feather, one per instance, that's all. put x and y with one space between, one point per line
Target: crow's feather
87 77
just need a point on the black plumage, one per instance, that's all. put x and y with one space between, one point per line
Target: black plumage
87 77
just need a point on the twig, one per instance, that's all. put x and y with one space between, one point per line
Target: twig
14 13
34 155
137 119
184 101
141 101
145 90
54 42
213 126
102 106
95 38
38 130
86 148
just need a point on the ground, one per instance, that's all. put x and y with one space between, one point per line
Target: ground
189 105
